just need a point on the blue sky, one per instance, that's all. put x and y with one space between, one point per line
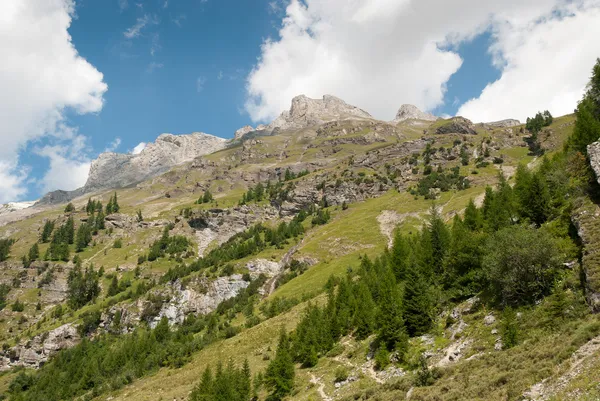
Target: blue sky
135 69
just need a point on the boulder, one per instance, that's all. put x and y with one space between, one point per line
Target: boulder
457 125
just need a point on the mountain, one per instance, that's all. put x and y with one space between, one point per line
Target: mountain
117 170
306 112
410 112
389 253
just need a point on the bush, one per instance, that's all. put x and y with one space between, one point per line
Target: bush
18 306
382 358
521 264
341 374
118 243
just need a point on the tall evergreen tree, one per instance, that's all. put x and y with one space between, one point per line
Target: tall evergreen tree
473 219
399 256
587 125
439 237
418 303
537 207
391 330
365 313
279 377
47 231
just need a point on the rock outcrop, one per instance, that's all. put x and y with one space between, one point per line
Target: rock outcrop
117 170
37 351
114 170
457 125
508 123
410 112
308 112
239 134
594 155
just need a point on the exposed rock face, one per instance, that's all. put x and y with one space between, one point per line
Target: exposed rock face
410 112
594 155
509 123
239 134
200 298
307 112
586 219
113 170
42 347
457 125
116 170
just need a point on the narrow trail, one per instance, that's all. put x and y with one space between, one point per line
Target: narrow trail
321 389
285 260
98 253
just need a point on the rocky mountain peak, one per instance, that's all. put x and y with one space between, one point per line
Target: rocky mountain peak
411 112
117 170
242 131
306 111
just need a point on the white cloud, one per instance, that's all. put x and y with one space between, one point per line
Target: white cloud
41 76
154 66
545 66
114 145
378 54
200 81
135 30
69 168
123 4
138 149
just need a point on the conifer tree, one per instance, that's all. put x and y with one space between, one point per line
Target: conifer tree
537 207
365 313
473 219
34 252
399 256
70 230
391 331
418 304
47 231
439 237
99 221
279 377
587 125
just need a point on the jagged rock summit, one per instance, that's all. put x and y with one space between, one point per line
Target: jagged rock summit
410 112
306 112
114 170
118 170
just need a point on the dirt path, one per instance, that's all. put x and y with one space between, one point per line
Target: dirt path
321 389
581 361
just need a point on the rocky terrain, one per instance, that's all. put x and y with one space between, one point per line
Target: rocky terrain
351 183
116 170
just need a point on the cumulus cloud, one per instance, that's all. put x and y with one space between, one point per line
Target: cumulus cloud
42 76
138 148
114 145
378 54
69 167
545 66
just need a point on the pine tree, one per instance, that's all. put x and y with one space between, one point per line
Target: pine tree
587 125
418 305
84 237
207 198
473 219
70 230
34 252
47 231
365 313
279 377
537 207
99 223
399 256
391 331
69 208
115 204
439 237
113 288
89 208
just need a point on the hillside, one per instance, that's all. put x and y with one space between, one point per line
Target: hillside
382 248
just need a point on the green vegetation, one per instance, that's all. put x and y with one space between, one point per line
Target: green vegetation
5 245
